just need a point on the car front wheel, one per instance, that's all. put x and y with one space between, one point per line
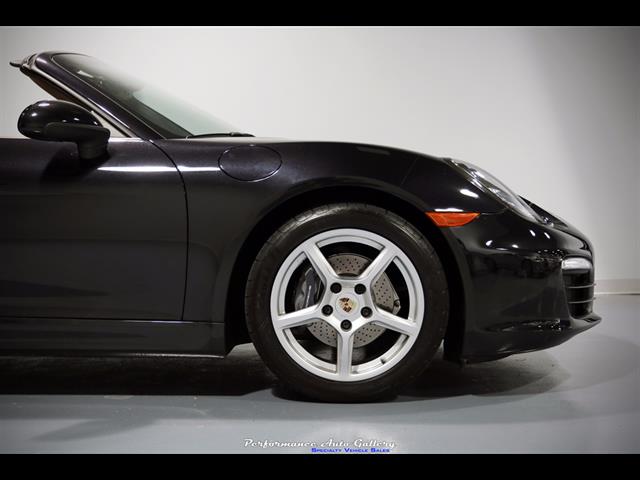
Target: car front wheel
347 302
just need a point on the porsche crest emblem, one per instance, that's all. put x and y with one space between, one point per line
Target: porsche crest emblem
347 304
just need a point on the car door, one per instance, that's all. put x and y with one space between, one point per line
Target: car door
91 239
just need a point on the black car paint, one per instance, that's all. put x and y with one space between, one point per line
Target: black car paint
91 239
211 202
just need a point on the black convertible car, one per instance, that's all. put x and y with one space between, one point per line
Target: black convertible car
135 224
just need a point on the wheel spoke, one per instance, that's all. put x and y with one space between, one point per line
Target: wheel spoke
344 355
319 262
394 322
378 265
297 318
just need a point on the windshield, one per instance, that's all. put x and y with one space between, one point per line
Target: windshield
167 115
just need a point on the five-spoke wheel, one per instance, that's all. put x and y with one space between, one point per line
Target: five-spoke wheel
347 300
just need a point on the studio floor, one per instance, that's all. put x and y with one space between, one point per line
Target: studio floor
583 396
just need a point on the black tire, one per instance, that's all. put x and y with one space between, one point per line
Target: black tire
346 215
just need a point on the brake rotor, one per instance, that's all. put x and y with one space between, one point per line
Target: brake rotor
383 292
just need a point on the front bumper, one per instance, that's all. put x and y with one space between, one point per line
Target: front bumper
517 298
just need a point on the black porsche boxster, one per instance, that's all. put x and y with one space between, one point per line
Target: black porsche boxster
133 223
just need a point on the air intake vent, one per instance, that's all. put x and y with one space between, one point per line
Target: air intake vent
579 289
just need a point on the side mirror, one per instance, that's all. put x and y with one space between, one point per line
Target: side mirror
60 121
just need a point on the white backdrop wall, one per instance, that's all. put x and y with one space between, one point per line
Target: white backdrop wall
553 112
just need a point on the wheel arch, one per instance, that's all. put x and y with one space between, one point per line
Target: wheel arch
235 323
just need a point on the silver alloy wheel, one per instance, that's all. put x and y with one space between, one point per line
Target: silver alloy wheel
347 305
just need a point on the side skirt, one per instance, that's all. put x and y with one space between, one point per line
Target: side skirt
57 336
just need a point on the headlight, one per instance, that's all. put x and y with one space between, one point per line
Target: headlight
490 184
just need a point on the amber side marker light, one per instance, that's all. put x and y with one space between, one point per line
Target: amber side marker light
451 219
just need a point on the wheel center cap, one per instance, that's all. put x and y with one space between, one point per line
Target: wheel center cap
346 304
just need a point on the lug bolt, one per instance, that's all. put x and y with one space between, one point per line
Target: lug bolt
360 289
336 287
327 310
366 312
345 325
